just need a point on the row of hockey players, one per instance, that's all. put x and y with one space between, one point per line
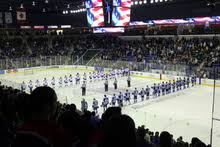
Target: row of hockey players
68 81
156 90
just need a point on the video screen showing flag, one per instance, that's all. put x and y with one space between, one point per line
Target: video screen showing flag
95 17
122 3
121 16
109 30
93 3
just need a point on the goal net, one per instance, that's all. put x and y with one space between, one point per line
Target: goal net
28 71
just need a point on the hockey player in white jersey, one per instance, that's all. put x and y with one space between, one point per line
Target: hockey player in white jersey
95 105
30 85
37 83
84 77
23 86
45 82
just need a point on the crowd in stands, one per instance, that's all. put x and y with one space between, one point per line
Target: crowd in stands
37 119
190 51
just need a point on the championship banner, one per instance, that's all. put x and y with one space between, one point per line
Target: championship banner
21 16
1 18
8 18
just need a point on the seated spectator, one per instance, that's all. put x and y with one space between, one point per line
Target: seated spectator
42 107
119 131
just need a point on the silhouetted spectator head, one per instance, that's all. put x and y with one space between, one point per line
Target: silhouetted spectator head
194 141
119 131
165 139
111 111
200 144
43 102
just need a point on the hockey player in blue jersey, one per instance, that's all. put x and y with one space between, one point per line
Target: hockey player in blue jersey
184 83
163 88
66 80
180 83
142 94
147 90
170 86
135 94
127 97
174 86
45 82
84 105
37 83
105 102
95 105
187 82
154 90
30 85
158 88
90 77
120 99
53 82
114 98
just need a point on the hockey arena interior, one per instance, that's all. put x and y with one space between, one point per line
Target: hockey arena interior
110 73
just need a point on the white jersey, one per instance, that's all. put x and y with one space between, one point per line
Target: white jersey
37 83
65 79
70 79
45 82
23 86
53 81
30 85
60 81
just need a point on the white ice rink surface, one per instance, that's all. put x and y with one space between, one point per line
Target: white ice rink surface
186 113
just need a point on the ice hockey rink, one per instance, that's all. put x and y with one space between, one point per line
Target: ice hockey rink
186 113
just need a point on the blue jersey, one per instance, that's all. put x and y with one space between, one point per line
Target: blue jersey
114 98
95 104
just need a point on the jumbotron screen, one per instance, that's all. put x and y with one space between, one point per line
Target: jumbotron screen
121 16
93 3
122 3
95 17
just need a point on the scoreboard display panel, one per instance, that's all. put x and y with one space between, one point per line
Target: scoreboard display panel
95 17
122 3
93 3
121 16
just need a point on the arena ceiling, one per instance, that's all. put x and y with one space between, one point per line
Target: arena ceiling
57 6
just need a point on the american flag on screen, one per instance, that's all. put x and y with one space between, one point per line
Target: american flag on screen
122 3
121 16
95 17
93 3
204 19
